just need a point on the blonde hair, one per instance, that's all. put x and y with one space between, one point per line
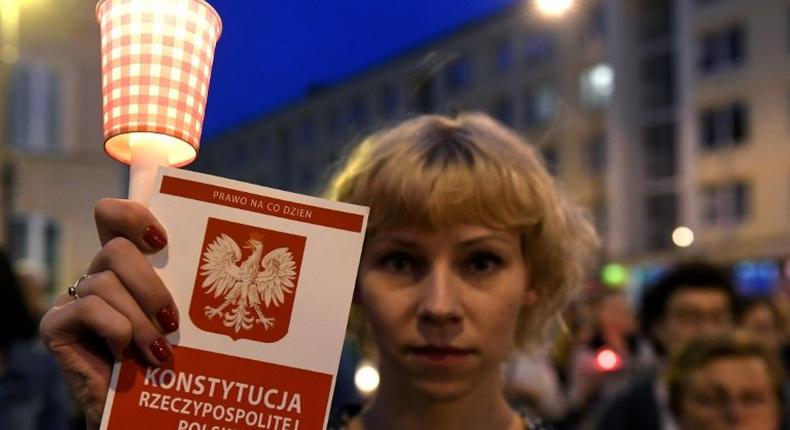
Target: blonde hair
434 171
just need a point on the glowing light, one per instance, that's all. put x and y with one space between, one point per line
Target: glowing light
614 274
683 237
602 78
554 8
366 378
606 360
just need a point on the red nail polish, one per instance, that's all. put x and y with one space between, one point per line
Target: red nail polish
154 238
168 319
161 350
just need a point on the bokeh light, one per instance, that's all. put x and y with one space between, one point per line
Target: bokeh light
366 378
682 237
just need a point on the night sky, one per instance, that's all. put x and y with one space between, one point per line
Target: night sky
271 51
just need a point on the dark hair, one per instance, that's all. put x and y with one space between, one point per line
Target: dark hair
683 276
16 321
700 352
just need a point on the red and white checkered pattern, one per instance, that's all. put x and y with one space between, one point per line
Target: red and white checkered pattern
156 67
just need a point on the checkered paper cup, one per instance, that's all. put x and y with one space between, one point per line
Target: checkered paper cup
156 66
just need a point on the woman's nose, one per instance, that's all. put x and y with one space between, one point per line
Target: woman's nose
439 302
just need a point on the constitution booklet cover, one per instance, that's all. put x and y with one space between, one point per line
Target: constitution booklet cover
263 280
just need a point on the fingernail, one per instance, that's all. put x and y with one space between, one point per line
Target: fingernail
161 350
154 238
168 319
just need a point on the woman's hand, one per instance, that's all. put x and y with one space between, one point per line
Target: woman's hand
123 307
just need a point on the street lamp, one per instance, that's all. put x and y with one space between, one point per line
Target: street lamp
554 8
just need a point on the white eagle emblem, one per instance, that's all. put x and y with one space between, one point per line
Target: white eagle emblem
259 279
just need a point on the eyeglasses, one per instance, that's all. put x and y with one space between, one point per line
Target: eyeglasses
697 317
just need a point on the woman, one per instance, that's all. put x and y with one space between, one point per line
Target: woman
470 249
761 317
727 382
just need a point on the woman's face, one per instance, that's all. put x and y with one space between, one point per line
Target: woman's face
760 320
730 393
443 305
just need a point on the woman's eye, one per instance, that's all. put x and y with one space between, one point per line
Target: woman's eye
397 262
484 262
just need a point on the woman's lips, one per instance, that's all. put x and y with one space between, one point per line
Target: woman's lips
440 354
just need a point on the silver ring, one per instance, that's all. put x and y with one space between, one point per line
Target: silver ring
73 287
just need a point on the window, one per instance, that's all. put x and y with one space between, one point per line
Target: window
240 158
286 156
725 204
596 22
503 60
458 74
660 151
724 126
34 117
36 237
424 100
389 99
596 154
541 105
655 19
661 220
600 217
264 155
333 121
658 81
503 110
538 48
593 30
596 85
359 110
306 131
722 50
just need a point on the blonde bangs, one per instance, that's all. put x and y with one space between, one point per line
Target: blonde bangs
436 197
436 180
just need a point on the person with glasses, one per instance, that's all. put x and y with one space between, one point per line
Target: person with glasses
691 300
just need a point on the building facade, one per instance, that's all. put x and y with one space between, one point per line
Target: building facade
545 78
652 113
53 163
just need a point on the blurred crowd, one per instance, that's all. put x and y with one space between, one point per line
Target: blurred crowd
688 353
32 393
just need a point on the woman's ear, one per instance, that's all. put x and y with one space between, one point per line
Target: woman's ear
530 293
530 297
